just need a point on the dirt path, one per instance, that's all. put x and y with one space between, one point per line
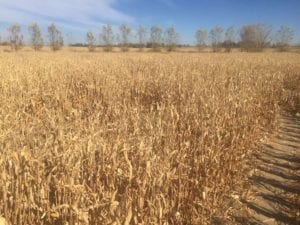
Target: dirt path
274 195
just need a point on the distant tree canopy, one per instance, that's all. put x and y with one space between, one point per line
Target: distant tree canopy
255 37
141 34
201 36
250 37
15 37
171 39
91 41
36 38
107 37
56 40
125 32
284 37
216 38
156 37
228 43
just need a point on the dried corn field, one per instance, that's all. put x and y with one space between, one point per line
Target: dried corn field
134 138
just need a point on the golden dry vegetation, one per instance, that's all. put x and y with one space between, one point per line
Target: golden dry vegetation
134 138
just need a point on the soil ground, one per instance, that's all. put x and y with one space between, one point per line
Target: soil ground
273 196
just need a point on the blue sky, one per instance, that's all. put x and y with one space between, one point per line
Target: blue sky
76 17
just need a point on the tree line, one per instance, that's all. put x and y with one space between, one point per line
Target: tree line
253 37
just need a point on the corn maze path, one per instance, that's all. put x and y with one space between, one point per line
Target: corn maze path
275 183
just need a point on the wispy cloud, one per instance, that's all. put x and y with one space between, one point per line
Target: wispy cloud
76 14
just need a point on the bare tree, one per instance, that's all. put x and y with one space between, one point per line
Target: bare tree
56 40
36 38
107 37
156 38
141 33
216 37
125 32
15 36
284 37
229 38
248 37
201 36
172 39
255 37
91 41
263 35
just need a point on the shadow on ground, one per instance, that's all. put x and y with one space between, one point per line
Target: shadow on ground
275 186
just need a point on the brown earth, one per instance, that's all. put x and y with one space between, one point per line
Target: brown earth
273 195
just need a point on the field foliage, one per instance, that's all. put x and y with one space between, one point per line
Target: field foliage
134 138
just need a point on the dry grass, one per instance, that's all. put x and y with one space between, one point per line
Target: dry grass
132 138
